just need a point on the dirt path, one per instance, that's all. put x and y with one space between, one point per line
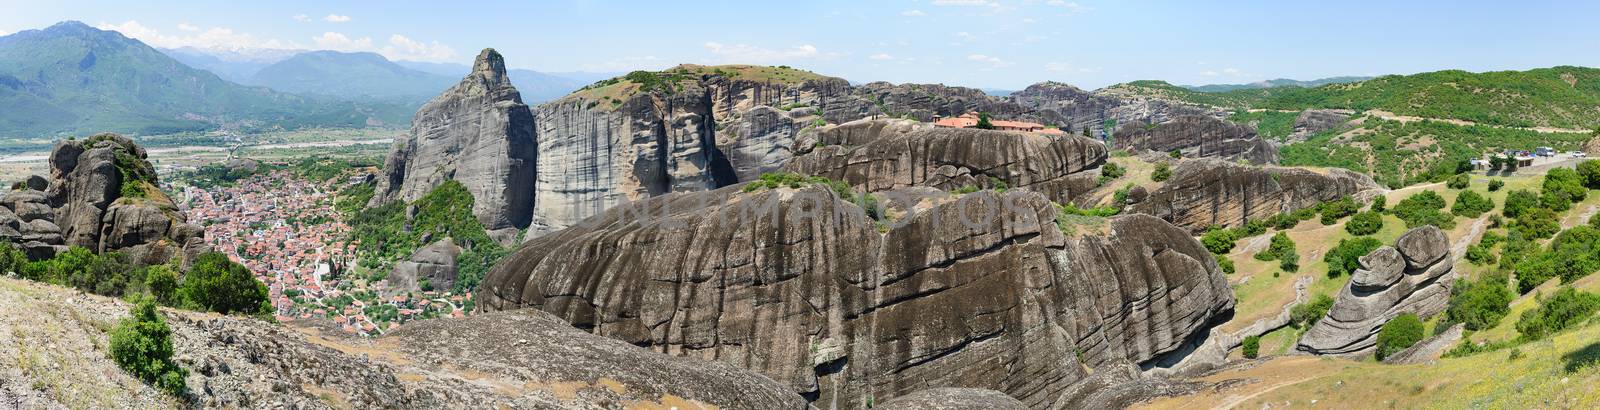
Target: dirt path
1579 218
1460 248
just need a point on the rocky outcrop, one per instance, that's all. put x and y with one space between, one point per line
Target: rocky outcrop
479 133
102 196
1207 192
435 263
510 360
1311 122
950 398
1075 109
881 155
1198 137
1413 276
802 286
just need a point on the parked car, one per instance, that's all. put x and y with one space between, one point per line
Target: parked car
1544 151
1578 154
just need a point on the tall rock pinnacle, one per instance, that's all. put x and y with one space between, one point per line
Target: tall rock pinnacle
478 133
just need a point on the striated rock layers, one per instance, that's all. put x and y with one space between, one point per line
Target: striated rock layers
985 291
1413 276
1314 121
102 196
1208 192
1199 137
435 264
479 133
881 155
1072 107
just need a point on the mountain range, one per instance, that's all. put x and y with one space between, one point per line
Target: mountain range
1281 82
71 78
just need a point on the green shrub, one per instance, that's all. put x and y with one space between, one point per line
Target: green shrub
1480 304
1111 171
1480 255
1333 211
162 283
1378 203
142 345
1422 209
1496 184
1283 221
1281 245
1225 264
1460 181
1398 334
1289 261
1162 172
1305 315
1365 223
1471 205
1218 240
1536 223
1252 346
1519 202
1344 258
217 284
1560 310
1589 174
1561 188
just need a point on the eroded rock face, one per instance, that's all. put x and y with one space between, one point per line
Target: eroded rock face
87 202
881 155
479 133
1067 105
1314 121
1198 136
1207 192
1414 276
435 263
802 286
950 398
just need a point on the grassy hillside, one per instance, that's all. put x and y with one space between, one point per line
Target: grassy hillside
73 79
614 90
1562 97
1398 153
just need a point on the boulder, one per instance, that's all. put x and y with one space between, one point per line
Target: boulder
1310 122
478 133
1381 290
435 263
1210 192
951 398
36 183
981 291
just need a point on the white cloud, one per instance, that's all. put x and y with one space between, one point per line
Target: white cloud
340 42
187 27
965 3
302 18
1072 7
403 48
748 54
913 13
336 18
992 61
965 36
3 32
215 37
1231 71
881 57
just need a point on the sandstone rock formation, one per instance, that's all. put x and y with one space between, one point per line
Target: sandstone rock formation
435 263
950 398
880 155
1074 108
479 133
1413 276
1198 136
1206 192
803 287
510 360
102 196
1314 121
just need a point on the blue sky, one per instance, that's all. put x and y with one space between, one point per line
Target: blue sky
983 43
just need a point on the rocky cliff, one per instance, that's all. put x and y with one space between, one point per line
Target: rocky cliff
982 291
1311 122
102 195
1207 192
1196 136
1065 105
1413 276
477 132
881 155
508 360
